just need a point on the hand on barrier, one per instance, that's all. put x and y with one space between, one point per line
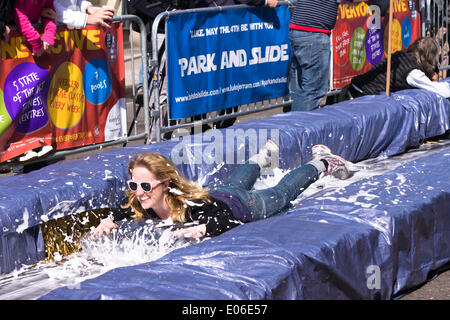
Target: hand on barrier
191 232
100 16
105 226
48 13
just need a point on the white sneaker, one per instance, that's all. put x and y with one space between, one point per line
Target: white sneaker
337 167
44 150
268 157
28 156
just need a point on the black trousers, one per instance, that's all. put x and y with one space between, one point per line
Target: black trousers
349 92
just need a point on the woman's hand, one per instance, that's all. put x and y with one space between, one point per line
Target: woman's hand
100 16
191 232
105 226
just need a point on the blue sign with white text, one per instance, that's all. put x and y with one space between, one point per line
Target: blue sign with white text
218 60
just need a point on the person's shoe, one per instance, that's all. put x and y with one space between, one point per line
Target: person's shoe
320 150
44 150
28 156
267 158
337 166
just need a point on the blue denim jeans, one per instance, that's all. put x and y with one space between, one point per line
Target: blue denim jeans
310 67
141 74
267 202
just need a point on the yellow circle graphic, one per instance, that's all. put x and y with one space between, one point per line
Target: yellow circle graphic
66 99
396 37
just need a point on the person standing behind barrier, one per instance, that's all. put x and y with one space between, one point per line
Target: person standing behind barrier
413 68
157 189
310 30
77 14
27 12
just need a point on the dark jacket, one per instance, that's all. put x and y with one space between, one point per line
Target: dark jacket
6 14
374 80
217 216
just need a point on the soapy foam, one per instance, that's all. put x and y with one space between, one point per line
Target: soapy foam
131 244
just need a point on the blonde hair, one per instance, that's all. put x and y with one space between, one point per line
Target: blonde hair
180 189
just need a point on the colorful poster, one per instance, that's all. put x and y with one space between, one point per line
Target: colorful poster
73 95
223 59
360 39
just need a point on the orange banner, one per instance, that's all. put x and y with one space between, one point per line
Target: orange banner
360 39
72 95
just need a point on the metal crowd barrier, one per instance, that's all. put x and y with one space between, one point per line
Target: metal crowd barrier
435 24
211 117
145 104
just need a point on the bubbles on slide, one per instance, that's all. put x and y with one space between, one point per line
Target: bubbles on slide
133 243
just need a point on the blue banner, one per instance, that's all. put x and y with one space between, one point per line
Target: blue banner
227 58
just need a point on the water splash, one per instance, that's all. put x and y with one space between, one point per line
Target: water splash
133 243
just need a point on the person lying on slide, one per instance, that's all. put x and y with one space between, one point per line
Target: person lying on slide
157 189
413 68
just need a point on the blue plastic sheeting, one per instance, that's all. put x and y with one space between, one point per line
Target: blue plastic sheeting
359 129
334 246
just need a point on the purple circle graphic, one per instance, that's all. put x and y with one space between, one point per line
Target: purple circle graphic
26 90
374 46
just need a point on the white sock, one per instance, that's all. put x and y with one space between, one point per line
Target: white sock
319 165
258 159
